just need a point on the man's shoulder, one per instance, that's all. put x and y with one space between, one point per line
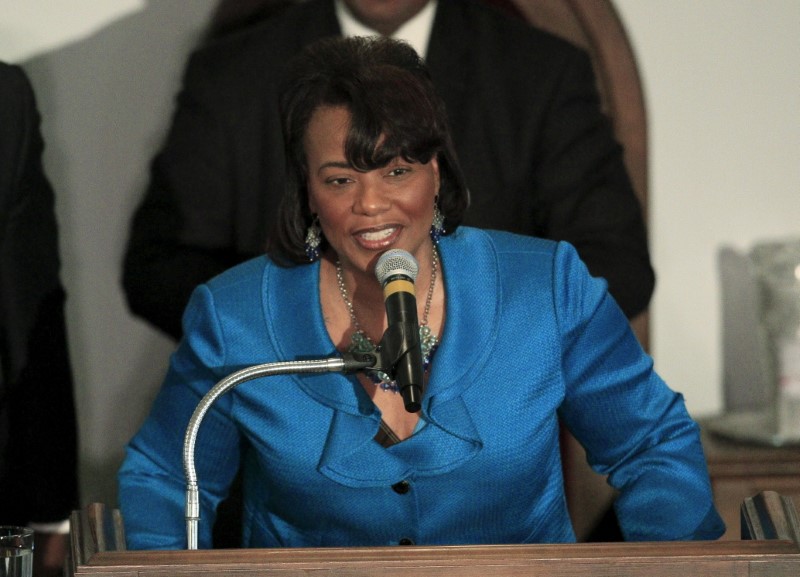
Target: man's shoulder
500 30
14 84
10 71
271 40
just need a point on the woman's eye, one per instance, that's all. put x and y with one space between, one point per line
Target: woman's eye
400 171
340 181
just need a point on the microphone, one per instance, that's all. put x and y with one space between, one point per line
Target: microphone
396 270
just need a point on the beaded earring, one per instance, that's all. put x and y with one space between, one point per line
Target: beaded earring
437 227
313 239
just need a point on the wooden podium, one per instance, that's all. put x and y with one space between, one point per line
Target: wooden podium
738 470
97 549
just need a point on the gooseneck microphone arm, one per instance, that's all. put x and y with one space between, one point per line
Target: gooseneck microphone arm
348 363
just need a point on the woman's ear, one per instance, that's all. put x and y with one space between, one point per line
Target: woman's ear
436 174
312 206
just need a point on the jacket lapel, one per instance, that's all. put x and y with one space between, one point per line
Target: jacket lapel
449 438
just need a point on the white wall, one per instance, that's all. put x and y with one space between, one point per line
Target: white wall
723 89
722 82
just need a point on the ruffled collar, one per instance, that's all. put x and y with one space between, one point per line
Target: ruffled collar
471 275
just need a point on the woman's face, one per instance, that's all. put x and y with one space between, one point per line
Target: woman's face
363 214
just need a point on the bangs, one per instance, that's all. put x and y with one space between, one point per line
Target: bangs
391 117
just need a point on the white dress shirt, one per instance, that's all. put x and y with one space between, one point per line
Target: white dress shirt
417 31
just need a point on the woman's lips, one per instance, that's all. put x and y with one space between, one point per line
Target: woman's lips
377 238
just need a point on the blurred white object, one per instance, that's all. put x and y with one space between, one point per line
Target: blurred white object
761 343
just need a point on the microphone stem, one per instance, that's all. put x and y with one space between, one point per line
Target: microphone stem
347 363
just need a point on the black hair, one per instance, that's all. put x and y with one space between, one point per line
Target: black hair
395 112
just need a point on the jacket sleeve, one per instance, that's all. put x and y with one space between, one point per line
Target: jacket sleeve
634 428
152 482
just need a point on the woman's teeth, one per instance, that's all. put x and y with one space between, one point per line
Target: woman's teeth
376 235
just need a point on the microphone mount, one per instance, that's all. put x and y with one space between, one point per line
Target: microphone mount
399 340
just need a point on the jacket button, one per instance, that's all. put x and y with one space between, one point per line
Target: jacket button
402 487
405 541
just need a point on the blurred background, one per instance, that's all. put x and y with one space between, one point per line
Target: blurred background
722 89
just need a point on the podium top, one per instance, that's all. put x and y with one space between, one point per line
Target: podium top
98 550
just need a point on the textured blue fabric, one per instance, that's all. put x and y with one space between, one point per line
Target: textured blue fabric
529 337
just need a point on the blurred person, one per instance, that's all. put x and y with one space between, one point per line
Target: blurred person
38 439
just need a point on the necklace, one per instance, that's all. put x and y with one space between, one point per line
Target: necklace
361 343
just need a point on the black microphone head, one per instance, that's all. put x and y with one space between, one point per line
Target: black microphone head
396 262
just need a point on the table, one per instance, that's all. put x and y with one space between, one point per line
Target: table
739 470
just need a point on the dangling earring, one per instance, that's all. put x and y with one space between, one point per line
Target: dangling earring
437 227
313 239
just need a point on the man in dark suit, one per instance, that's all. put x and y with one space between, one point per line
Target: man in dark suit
538 155
38 449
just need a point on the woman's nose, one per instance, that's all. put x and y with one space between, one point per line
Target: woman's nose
371 199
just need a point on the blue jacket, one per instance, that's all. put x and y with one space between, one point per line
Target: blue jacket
530 338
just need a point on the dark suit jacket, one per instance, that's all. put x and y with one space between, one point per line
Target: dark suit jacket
538 155
38 477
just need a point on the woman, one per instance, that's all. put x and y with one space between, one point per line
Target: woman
517 337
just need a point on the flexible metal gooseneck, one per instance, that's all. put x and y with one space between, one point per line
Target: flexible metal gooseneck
400 341
347 363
